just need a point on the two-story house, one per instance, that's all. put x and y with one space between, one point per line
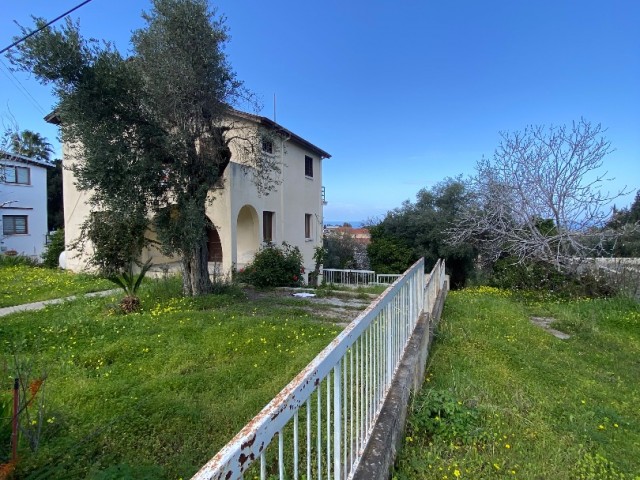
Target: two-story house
242 220
23 205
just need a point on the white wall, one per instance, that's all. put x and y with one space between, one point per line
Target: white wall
31 201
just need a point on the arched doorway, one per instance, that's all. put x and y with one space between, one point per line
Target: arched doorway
247 239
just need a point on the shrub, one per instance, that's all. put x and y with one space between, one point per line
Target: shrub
130 283
508 274
438 413
274 266
54 249
17 260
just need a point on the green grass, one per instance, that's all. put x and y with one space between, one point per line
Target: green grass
154 394
25 284
505 399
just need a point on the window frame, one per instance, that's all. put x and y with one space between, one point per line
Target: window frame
308 226
268 218
267 143
13 231
15 177
308 166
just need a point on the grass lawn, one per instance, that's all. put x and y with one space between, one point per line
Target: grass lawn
154 394
25 284
505 399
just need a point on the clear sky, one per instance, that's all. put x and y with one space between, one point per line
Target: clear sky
402 94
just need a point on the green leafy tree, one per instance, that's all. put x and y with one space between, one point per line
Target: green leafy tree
55 202
388 254
340 251
626 222
420 229
154 128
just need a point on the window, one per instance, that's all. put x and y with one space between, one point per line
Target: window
307 226
308 166
13 174
267 146
14 225
267 226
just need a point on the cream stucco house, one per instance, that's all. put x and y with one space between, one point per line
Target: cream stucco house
243 219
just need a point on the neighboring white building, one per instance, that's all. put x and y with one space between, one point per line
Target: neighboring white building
243 219
23 205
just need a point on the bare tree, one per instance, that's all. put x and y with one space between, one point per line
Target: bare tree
9 128
540 198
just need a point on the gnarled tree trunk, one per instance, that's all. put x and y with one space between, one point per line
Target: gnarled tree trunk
195 278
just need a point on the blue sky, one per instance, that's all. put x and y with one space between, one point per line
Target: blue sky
404 93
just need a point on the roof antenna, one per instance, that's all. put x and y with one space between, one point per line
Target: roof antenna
274 107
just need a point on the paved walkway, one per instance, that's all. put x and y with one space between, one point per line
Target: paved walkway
40 305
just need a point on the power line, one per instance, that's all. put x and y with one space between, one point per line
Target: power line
21 88
43 27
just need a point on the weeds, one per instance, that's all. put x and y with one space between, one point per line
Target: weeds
505 399
24 283
156 393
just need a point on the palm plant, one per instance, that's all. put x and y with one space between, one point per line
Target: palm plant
130 282
31 144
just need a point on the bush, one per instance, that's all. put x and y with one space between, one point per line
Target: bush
508 274
54 249
274 266
17 260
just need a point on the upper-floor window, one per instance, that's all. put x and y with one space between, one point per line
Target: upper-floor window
308 166
12 174
267 226
267 146
14 225
307 226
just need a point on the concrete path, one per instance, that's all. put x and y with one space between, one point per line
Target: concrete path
40 305
545 324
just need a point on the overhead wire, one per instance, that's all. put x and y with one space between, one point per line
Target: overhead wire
17 42
9 74
16 83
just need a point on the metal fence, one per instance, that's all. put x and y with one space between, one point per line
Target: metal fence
386 278
317 427
348 277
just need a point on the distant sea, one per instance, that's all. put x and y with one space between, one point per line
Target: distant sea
339 223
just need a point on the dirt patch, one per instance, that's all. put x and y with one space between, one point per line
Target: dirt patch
545 324
341 309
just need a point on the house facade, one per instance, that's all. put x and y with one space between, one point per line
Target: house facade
242 219
23 205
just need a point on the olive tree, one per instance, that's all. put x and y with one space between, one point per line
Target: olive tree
540 197
419 229
154 128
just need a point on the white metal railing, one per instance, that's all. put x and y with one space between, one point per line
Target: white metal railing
387 277
323 419
348 277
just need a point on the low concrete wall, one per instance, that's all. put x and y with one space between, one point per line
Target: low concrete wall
388 433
